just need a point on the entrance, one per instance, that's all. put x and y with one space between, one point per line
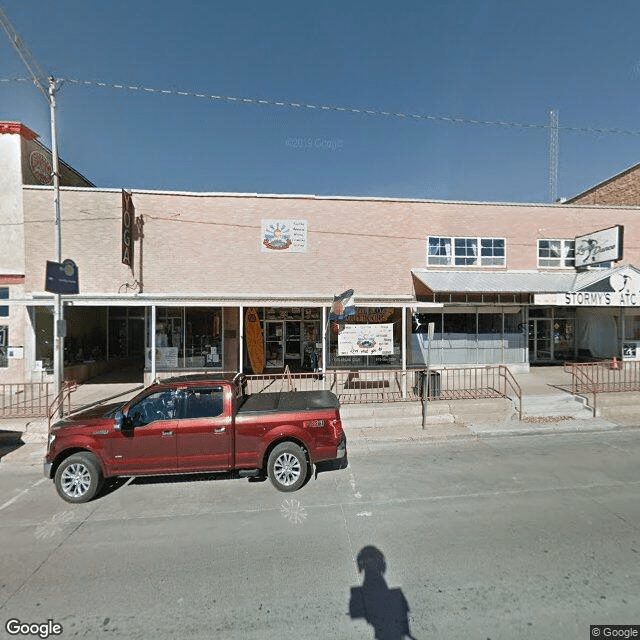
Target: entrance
540 340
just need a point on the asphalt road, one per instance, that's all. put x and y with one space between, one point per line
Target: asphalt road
504 538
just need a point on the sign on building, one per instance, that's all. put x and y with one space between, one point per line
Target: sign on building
128 221
284 236
600 246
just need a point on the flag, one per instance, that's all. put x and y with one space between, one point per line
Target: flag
343 306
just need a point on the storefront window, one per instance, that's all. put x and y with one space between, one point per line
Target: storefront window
4 341
371 339
468 336
43 324
188 338
292 338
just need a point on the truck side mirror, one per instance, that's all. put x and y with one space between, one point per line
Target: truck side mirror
119 419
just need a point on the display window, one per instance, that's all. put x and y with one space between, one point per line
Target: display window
188 338
371 339
292 338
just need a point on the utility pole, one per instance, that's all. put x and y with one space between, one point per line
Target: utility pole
48 86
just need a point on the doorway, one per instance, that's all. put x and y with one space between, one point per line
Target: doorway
540 340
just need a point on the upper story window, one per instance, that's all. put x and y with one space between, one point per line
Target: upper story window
4 295
556 253
446 251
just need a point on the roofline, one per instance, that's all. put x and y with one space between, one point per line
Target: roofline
305 196
602 183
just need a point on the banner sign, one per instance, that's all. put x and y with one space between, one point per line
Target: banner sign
366 340
284 236
599 246
128 221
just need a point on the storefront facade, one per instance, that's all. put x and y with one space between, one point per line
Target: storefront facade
245 282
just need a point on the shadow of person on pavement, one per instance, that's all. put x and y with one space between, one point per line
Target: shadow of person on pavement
386 610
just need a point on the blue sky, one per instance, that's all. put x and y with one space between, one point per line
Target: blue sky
493 60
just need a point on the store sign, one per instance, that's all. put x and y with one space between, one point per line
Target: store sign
620 289
128 221
631 350
284 236
365 340
599 246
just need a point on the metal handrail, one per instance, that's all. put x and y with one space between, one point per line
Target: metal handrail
509 380
57 404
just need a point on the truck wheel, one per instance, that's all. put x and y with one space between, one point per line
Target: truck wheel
78 478
287 467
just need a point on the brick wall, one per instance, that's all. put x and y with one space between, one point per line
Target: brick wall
212 243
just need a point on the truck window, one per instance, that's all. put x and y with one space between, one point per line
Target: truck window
155 406
204 403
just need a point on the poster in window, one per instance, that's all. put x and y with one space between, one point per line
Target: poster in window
366 340
3 336
284 236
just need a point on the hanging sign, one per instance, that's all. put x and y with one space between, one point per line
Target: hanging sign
128 220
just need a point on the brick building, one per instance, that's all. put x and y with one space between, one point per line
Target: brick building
621 189
498 281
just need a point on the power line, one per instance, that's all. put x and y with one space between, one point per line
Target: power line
338 108
356 110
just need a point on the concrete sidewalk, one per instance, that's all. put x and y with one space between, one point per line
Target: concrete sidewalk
548 408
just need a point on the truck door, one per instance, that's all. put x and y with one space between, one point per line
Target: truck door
148 444
204 430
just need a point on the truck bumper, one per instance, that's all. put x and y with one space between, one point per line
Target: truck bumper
47 470
342 448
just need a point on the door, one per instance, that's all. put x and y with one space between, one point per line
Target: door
274 344
540 340
293 350
204 430
147 443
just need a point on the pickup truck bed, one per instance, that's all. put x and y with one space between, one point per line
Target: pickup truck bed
289 401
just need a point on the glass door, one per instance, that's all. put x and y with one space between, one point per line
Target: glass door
293 351
274 344
540 340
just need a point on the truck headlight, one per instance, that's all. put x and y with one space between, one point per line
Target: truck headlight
52 437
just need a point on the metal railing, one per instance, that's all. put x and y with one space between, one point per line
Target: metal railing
395 385
603 377
24 399
57 405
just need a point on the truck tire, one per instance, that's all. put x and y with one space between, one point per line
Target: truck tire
287 467
78 478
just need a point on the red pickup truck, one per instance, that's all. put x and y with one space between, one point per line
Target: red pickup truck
193 424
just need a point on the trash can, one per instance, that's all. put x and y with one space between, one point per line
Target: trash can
434 384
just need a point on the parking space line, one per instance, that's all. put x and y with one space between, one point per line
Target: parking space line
22 493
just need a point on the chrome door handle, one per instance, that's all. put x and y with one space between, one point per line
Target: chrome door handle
220 430
167 433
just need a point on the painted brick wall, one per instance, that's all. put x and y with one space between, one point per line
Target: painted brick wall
197 243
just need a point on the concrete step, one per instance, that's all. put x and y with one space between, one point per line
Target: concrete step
555 405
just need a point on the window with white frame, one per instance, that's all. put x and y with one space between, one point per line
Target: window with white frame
447 251
556 253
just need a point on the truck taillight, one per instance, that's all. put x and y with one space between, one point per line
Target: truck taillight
337 427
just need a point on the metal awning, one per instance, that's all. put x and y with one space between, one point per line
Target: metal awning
509 281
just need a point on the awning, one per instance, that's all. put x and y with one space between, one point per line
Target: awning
489 282
512 281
